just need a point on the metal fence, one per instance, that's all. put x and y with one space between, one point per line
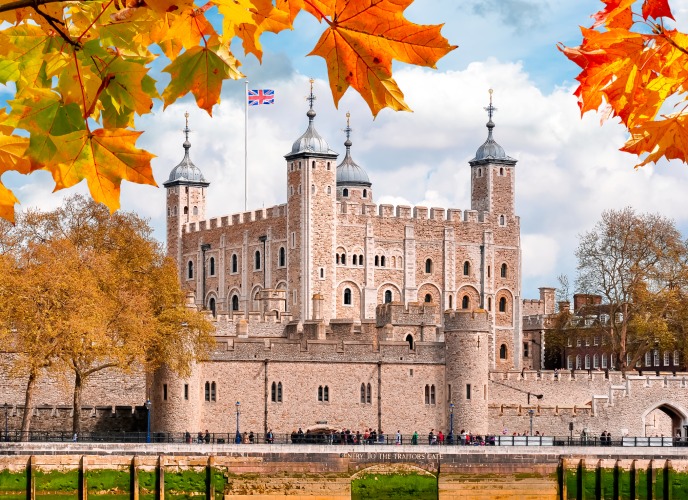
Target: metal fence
336 438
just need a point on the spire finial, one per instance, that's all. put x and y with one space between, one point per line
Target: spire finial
348 131
186 131
311 99
490 113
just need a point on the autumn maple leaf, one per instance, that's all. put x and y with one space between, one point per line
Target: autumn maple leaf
363 38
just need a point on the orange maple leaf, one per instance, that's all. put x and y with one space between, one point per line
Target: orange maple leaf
666 138
363 38
104 157
12 158
656 9
616 14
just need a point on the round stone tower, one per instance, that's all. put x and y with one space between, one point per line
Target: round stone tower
467 368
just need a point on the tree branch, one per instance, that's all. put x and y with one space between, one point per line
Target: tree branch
53 24
20 4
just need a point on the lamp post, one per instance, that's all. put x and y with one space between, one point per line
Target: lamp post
530 414
7 435
237 439
147 404
451 423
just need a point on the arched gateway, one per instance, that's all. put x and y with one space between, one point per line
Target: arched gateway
677 414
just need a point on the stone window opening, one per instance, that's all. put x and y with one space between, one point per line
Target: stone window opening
595 340
175 210
502 351
503 271
276 392
195 210
502 220
667 358
282 257
382 261
480 172
502 304
429 394
677 358
312 188
337 258
294 297
235 263
190 272
587 361
377 261
328 168
347 296
569 362
365 193
322 273
489 303
656 358
578 362
465 302
186 392
489 271
369 394
313 165
355 258
169 211
360 260
345 193
329 188
291 167
526 346
451 305
213 392
257 260
212 307
409 339
428 266
428 298
466 268
186 210
324 393
235 303
207 391
293 239
343 259
501 171
468 391
211 266
595 361
363 393
164 392
388 296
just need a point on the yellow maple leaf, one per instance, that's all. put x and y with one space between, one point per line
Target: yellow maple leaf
364 37
104 157
666 138
12 158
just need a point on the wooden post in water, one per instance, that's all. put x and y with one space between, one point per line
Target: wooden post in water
635 480
563 493
209 485
161 478
616 488
651 478
598 479
581 480
83 485
31 479
134 478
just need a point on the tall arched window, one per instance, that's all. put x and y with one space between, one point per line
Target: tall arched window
466 268
427 394
501 171
363 393
279 392
207 391
409 339
365 193
257 258
282 257
382 261
432 394
213 392
273 392
377 260
502 304
595 361
587 361
428 297
355 259
345 192
369 394
211 265
503 271
578 362
336 257
502 220
502 351
569 362
360 260
320 393
211 306
428 266
489 303
326 393
343 259
451 305
235 302
235 263
347 296
465 302
186 210
388 296
190 273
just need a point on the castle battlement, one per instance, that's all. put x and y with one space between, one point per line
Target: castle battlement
664 379
541 410
386 211
237 219
415 313
476 320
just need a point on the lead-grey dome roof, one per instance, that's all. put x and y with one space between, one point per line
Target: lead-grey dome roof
310 141
186 171
348 172
490 150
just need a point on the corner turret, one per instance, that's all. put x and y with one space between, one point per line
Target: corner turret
353 183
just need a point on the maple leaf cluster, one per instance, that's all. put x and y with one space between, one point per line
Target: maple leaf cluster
634 67
81 70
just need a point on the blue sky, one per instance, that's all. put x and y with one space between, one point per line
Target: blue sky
569 169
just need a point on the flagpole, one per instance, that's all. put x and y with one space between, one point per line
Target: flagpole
246 148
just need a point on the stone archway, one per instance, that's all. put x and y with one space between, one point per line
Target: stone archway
675 412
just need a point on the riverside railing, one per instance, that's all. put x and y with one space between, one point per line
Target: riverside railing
338 438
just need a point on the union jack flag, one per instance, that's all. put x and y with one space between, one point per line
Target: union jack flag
262 96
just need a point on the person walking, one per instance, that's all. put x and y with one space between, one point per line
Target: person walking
414 438
398 441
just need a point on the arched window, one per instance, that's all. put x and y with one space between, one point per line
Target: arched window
451 305
369 394
604 361
313 165
207 391
213 392
409 339
502 221
343 259
337 258
329 189
312 188
388 296
279 392
382 261
190 273
489 303
501 171
578 362
235 263
569 362
347 296
328 165
355 259
377 260
211 306
427 394
235 302
273 392
186 210
360 260
282 257
428 266
432 394
320 393
345 192
363 393
211 265
595 361
326 393
587 361
502 305
257 258
428 297
195 210
465 302
503 271
365 193
502 351
394 262
466 268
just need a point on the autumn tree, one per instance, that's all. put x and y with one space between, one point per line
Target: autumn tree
634 67
82 72
126 309
637 264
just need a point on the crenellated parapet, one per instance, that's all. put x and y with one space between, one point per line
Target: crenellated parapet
415 314
477 320
263 214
